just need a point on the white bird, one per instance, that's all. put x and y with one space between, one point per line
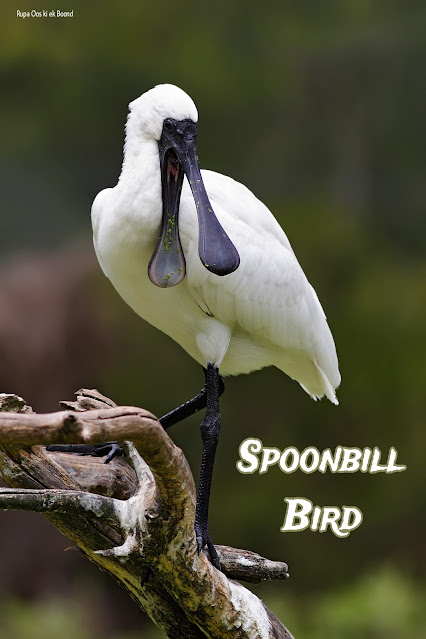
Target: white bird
213 269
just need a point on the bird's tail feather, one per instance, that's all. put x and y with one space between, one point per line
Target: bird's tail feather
310 376
324 388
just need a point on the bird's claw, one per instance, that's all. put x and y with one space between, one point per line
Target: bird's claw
110 449
203 540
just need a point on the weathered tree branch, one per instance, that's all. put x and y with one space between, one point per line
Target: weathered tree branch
73 502
130 519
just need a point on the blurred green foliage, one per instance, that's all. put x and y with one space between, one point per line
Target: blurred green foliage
383 604
53 618
319 109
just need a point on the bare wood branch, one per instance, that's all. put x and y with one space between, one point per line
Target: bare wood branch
152 528
13 403
249 566
88 400
52 501
112 480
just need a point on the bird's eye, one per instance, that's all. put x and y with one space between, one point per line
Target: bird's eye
167 125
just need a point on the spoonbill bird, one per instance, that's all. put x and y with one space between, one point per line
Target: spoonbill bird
197 255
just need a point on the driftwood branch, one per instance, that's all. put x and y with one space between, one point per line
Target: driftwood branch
132 520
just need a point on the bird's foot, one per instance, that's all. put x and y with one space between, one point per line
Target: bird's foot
109 450
204 540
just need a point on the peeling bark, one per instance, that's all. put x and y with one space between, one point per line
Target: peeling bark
132 520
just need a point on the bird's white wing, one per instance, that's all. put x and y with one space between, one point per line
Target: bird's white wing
96 215
240 203
268 296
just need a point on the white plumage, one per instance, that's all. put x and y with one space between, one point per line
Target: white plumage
264 313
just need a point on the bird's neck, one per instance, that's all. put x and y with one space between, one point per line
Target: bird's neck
139 146
139 153
140 183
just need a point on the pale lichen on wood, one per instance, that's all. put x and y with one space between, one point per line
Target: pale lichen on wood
132 520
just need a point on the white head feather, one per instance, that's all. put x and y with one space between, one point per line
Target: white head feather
148 112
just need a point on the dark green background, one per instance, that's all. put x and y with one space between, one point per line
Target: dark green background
319 109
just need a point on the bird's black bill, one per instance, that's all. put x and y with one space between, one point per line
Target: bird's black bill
167 265
216 251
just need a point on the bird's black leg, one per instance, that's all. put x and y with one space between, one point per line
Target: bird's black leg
184 410
109 450
210 429
190 407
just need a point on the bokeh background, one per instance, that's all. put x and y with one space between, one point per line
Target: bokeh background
319 109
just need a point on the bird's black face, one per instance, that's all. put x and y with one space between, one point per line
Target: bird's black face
178 156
